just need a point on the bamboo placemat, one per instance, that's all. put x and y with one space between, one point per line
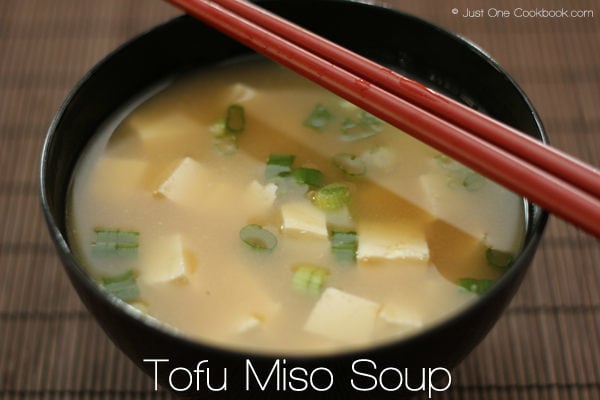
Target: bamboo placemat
547 344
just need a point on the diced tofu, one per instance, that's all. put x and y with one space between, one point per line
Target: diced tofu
390 241
260 198
197 187
343 317
156 134
179 186
165 261
190 184
257 319
150 130
381 157
126 177
303 217
247 324
340 219
401 316
165 126
446 202
239 93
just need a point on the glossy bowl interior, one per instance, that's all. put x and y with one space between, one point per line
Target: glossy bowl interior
433 56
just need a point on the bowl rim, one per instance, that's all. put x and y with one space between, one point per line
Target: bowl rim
536 217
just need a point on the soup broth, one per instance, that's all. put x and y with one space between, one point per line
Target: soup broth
246 206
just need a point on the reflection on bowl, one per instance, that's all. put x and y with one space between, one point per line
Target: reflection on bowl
421 50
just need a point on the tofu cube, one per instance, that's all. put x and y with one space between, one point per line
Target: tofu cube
239 93
154 132
447 203
381 157
265 312
249 323
165 261
403 317
153 129
145 132
343 317
118 178
259 198
391 242
303 217
182 185
340 219
198 188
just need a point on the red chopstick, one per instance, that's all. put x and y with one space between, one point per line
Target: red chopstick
494 157
502 135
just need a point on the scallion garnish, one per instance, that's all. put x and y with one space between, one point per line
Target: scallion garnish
309 278
367 125
226 129
469 181
350 164
345 104
309 176
498 259
235 119
258 237
332 196
344 245
117 236
368 119
477 286
115 242
288 187
447 163
279 165
318 118
473 181
218 127
123 286
460 177
226 144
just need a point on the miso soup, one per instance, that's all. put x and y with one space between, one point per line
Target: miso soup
247 207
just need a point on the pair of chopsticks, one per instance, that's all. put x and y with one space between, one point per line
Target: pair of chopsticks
559 183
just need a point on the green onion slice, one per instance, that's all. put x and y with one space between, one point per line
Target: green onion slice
288 187
226 144
350 164
279 165
499 259
319 118
258 237
353 131
218 127
368 119
309 176
473 181
332 196
123 286
366 126
477 286
447 163
344 245
235 119
111 242
116 235
309 278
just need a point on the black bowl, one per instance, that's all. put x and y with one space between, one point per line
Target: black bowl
433 56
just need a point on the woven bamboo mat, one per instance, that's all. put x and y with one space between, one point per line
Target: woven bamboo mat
547 344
